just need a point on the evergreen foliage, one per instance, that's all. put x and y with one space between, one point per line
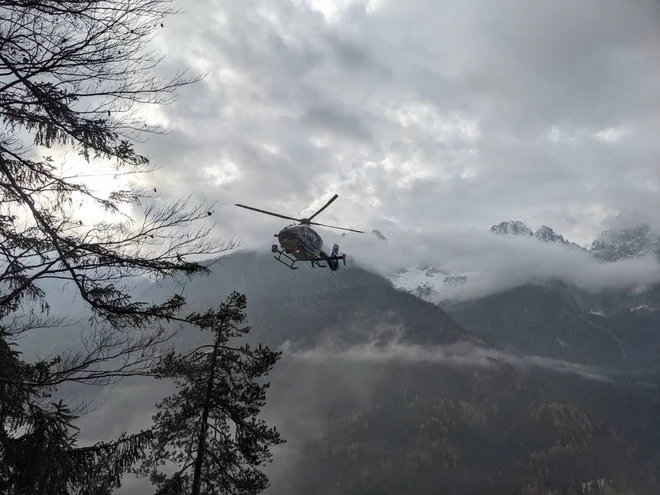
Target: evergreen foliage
209 428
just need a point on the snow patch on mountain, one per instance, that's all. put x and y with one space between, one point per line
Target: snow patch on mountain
425 280
642 307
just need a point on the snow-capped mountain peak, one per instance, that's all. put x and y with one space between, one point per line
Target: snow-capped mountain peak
546 234
512 227
424 280
626 243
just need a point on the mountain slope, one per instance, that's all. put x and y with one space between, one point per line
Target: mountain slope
310 305
371 400
492 431
307 306
549 321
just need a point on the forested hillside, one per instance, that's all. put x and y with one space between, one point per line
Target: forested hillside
551 320
429 415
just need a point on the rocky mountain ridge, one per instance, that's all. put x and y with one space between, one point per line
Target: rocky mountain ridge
544 233
626 243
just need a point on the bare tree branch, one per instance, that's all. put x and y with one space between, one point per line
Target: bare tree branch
76 75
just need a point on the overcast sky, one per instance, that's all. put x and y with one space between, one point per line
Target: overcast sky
424 112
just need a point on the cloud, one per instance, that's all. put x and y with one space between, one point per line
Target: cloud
431 120
463 355
426 113
495 263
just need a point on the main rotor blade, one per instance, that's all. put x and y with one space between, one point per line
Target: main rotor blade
326 205
267 212
333 227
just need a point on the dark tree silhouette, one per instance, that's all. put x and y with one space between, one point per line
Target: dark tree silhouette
209 428
44 457
75 75
71 74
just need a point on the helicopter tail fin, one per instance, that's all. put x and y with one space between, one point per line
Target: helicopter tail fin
333 262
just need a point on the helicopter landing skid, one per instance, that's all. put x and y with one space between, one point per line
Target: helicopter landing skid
314 261
279 258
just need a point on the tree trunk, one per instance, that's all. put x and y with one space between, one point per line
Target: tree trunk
201 444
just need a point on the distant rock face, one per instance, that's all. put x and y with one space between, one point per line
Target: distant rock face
424 289
544 233
551 318
455 279
512 227
425 280
429 270
626 243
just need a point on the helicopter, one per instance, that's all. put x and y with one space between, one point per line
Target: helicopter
299 242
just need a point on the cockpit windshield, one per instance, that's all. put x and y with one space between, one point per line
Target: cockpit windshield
315 238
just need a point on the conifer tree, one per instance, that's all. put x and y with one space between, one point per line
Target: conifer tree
209 429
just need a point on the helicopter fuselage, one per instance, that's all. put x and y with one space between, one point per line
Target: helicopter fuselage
300 241
304 244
